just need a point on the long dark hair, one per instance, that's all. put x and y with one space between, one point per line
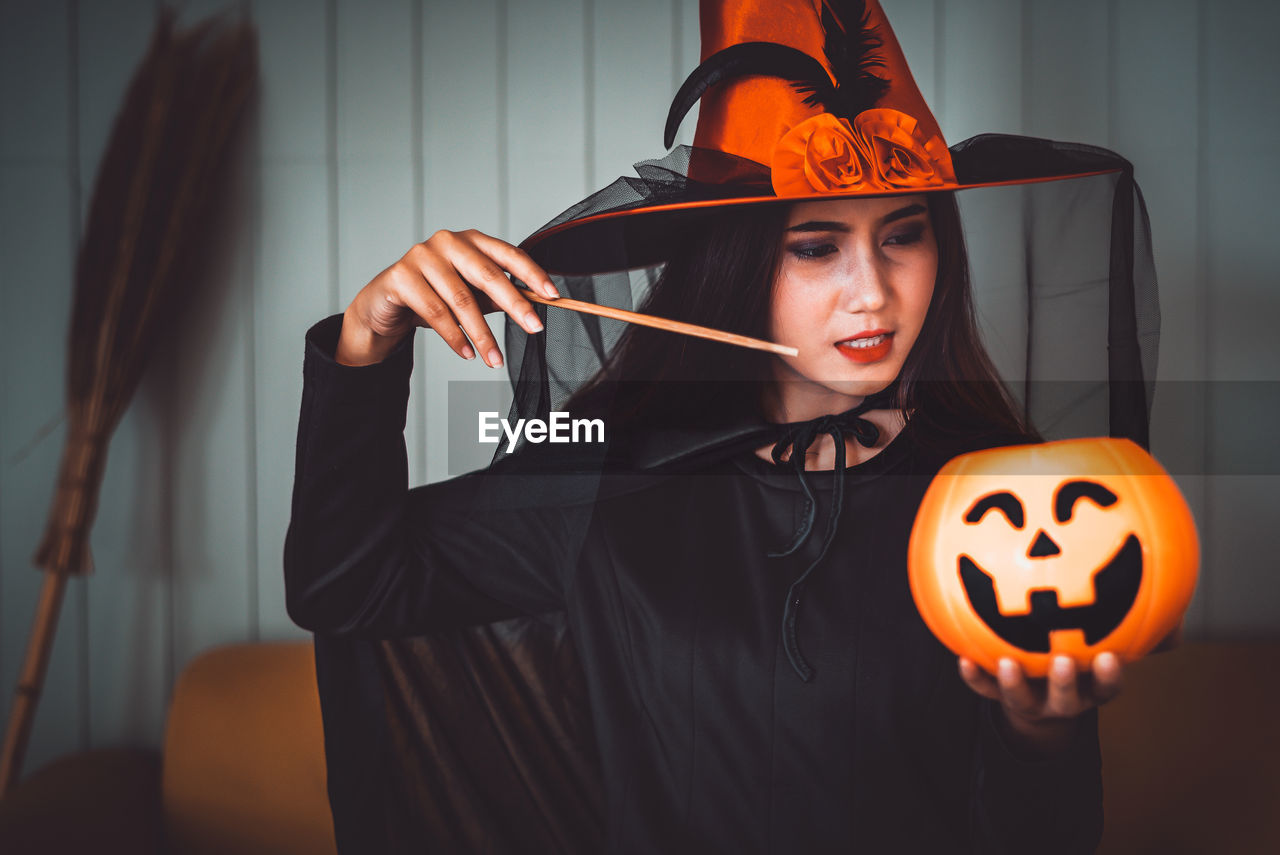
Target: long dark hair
948 379
721 274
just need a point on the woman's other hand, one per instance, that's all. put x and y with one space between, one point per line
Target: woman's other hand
1039 715
448 282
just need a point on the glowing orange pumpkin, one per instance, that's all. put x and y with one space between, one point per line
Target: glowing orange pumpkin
1072 547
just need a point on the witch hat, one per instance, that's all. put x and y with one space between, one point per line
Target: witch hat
799 100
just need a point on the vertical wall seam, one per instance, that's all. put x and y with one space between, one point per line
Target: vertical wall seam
417 154
79 584
169 550
417 129
1113 64
504 171
1026 85
677 44
589 94
253 241
939 60
331 145
1026 68
1204 268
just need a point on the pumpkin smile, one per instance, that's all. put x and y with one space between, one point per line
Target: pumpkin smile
1115 588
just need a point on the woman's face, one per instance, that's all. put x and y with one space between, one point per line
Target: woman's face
853 286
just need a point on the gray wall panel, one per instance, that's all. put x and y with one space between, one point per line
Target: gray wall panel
1241 122
381 122
294 270
37 233
464 153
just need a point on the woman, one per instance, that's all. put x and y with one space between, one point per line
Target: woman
772 488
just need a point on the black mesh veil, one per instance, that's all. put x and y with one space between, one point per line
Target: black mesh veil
1061 272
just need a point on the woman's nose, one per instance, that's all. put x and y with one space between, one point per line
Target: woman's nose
865 288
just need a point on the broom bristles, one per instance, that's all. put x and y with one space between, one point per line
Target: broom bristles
104 231
153 197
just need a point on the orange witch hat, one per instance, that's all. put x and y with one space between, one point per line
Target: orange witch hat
800 99
863 127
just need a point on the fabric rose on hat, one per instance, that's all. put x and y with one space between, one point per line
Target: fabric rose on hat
879 150
822 154
900 156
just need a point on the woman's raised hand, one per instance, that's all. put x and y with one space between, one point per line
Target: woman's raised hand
448 282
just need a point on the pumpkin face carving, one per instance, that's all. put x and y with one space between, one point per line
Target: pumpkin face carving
1063 548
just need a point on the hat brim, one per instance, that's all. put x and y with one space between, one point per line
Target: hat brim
593 238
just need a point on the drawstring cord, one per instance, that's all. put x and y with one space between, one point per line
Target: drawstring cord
797 439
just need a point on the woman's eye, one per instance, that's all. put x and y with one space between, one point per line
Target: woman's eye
812 250
906 237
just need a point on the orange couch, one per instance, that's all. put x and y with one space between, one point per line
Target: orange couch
242 771
1191 763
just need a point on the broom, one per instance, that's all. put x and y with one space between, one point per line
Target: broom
147 222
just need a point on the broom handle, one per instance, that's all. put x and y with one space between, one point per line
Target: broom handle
32 680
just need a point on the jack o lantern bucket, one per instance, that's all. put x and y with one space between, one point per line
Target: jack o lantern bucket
1072 548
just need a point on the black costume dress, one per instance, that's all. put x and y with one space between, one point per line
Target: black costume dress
708 739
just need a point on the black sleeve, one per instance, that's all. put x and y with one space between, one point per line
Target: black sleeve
1043 805
368 557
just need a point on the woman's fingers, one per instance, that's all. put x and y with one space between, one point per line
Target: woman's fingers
516 261
461 301
483 272
427 305
1065 692
1015 692
1108 677
469 272
448 282
978 680
1062 694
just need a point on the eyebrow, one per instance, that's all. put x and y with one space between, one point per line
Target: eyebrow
1003 501
837 226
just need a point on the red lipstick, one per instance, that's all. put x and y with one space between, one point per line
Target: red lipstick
866 353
